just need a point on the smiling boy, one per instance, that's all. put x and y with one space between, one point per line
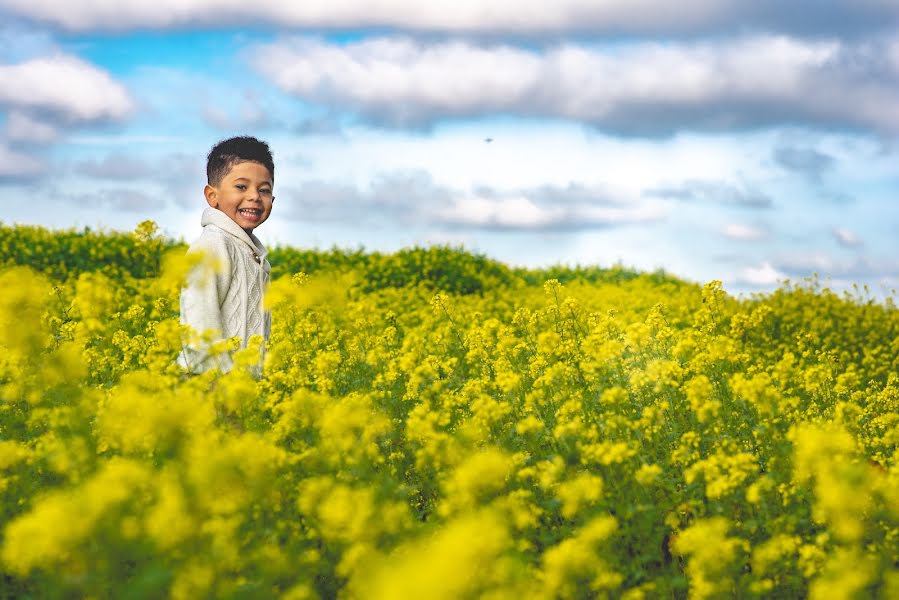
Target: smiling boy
226 302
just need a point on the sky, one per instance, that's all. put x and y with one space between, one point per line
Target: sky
749 142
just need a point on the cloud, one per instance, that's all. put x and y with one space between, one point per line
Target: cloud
45 97
745 233
181 176
577 194
846 238
22 127
322 202
857 268
402 196
120 199
718 192
802 264
250 114
521 212
762 276
176 178
65 88
805 161
639 88
125 139
216 117
116 166
837 274
15 165
413 198
835 197
319 126
503 16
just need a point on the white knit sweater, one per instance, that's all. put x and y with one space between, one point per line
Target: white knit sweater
227 300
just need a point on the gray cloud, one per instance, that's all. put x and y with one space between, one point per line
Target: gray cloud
120 199
805 161
718 192
846 237
327 125
858 268
123 199
24 128
639 88
526 17
413 198
575 193
403 196
18 166
878 273
321 201
519 212
116 166
252 113
835 197
181 177
764 277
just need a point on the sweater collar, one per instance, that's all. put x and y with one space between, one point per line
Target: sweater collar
213 216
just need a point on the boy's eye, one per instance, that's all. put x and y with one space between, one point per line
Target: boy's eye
241 187
265 193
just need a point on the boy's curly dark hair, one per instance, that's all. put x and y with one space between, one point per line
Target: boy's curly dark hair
232 151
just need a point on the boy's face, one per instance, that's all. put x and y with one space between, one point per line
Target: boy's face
244 194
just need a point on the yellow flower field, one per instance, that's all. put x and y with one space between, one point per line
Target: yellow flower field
431 424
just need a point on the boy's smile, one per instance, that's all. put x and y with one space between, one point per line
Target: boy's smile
244 194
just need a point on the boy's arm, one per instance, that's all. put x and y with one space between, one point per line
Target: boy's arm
201 303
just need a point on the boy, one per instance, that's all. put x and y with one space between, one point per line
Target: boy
227 300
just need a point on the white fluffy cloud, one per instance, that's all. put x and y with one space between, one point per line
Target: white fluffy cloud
762 275
510 16
42 96
639 88
64 86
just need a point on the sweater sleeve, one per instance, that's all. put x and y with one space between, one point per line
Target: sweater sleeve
201 303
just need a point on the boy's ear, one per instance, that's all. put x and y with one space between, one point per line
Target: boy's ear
211 196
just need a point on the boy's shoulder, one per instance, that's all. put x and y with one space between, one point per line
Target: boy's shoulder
217 223
212 240
225 240
224 245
